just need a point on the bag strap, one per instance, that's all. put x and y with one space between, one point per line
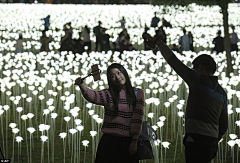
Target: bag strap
148 127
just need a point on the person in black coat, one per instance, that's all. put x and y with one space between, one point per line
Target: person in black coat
219 43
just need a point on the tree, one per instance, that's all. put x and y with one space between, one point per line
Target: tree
223 4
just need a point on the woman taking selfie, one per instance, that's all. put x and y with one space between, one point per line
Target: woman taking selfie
123 116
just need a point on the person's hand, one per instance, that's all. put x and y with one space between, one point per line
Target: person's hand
149 40
133 147
78 81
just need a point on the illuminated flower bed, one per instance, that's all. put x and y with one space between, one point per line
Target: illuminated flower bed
37 97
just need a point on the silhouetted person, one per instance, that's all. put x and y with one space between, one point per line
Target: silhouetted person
45 42
218 43
116 44
68 27
19 44
106 42
124 41
191 40
98 33
184 41
78 45
155 20
66 42
145 44
234 40
86 38
160 34
46 22
123 22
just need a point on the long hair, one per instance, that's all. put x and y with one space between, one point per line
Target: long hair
113 89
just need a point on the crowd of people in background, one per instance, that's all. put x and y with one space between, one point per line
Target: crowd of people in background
84 42
219 41
185 41
123 42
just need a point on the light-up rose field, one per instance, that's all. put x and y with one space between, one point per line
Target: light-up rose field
40 119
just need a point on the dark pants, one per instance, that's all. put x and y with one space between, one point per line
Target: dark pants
99 42
234 47
199 148
112 149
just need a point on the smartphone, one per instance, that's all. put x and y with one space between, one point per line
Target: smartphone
96 72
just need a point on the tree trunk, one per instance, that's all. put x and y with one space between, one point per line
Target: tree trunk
227 45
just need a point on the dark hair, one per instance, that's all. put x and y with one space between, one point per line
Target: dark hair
207 61
219 32
113 89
